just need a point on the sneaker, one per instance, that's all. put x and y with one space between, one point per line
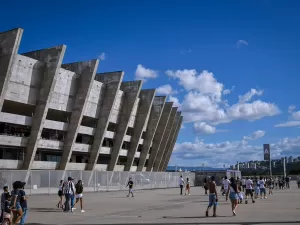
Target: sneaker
82 210
73 209
266 197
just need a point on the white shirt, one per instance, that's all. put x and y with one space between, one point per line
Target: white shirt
181 181
226 184
249 184
243 182
262 184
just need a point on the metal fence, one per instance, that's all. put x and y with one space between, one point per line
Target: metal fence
47 181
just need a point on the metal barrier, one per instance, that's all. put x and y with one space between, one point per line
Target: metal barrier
47 181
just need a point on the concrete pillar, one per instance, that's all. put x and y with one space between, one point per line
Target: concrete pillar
132 90
53 59
86 71
161 155
164 140
156 111
170 141
159 134
173 144
9 46
145 104
112 82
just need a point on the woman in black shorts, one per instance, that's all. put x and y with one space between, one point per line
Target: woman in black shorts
60 194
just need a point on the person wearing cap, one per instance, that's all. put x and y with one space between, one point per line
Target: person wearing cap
69 192
5 190
15 201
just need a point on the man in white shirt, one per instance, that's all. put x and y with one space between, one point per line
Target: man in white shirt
181 184
249 190
69 192
226 183
262 188
243 184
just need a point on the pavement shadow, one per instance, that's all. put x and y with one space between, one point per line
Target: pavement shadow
191 223
191 217
46 210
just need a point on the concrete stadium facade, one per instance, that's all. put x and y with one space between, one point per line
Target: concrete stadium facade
68 117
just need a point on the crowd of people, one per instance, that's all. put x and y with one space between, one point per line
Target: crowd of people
73 194
237 190
14 208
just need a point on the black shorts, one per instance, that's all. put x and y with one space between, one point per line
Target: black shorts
244 186
249 192
60 193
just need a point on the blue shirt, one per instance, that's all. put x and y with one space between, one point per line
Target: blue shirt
23 202
2 201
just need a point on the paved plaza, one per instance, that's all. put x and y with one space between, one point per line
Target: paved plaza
165 206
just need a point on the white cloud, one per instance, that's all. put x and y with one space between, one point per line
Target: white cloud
249 95
102 56
203 101
291 108
296 115
288 124
239 43
218 154
228 91
165 90
204 128
143 73
294 119
203 82
255 135
175 101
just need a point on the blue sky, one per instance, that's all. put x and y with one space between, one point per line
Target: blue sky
201 50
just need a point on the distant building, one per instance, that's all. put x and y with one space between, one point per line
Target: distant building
290 159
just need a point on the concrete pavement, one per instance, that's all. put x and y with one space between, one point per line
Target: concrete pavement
165 206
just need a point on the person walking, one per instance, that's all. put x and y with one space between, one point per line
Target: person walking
130 187
69 192
249 190
23 203
3 199
232 192
15 201
60 194
181 184
79 196
205 185
262 188
213 197
187 187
